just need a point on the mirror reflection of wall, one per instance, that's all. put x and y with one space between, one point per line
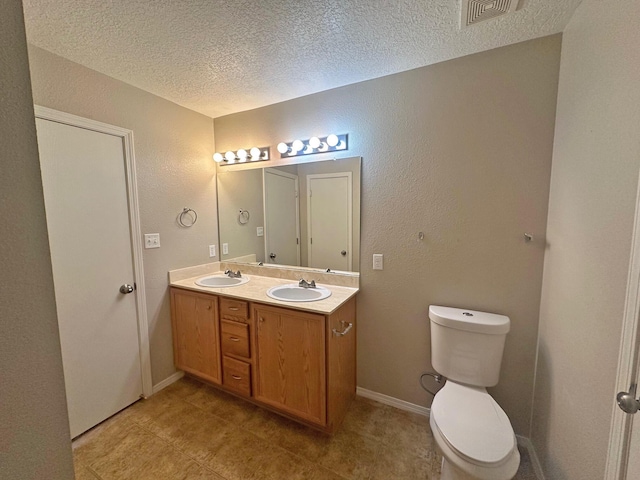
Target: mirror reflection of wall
319 227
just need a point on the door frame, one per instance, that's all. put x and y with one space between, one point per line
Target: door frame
349 213
264 207
126 135
621 423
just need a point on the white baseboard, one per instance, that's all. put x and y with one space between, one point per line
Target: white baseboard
533 456
168 381
394 402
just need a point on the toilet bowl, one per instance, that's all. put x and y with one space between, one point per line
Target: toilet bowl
473 434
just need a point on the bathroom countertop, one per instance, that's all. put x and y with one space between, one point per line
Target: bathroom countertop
256 291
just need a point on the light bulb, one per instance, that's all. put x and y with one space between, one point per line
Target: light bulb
341 145
230 156
283 147
217 157
314 142
332 140
308 149
255 153
296 146
323 147
242 155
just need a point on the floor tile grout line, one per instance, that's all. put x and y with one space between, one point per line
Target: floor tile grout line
243 427
246 430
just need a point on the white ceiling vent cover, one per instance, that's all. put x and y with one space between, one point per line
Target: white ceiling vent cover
475 11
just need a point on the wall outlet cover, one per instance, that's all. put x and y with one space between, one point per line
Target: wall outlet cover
260 231
378 261
225 249
212 250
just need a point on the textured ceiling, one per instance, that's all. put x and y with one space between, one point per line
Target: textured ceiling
219 57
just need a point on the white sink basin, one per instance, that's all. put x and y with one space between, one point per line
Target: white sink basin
291 292
221 280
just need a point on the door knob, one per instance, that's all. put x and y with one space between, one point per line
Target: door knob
126 288
627 400
343 253
272 256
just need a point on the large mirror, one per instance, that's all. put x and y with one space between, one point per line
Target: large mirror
305 215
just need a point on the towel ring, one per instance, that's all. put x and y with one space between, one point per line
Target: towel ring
243 217
190 214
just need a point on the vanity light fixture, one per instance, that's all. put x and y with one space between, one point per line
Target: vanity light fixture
241 156
330 143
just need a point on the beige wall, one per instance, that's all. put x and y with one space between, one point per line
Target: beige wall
173 148
34 430
460 150
593 193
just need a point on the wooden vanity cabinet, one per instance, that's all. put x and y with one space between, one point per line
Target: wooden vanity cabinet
306 362
300 364
290 362
196 342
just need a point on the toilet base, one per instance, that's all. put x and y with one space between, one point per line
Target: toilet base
452 471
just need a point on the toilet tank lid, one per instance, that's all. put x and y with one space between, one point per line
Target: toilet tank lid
469 320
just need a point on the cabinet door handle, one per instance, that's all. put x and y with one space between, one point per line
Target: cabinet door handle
234 339
237 377
235 309
346 326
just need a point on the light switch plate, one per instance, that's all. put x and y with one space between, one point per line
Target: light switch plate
225 249
378 261
151 240
212 250
260 231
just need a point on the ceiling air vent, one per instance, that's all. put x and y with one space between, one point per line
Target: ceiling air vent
475 11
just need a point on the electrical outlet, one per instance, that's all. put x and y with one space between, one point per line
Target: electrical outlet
378 261
212 250
151 240
260 231
225 249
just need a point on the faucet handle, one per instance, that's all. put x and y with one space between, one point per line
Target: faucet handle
313 284
238 274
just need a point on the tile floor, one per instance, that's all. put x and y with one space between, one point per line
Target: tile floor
193 431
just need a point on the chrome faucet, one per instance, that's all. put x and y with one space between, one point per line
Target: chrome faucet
304 284
232 274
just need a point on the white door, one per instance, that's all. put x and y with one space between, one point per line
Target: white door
330 220
85 192
282 224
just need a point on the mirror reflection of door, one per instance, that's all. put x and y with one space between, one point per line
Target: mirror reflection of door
282 225
329 198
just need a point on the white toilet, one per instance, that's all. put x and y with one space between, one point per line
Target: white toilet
473 433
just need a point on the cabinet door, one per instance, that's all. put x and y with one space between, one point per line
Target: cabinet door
195 330
290 363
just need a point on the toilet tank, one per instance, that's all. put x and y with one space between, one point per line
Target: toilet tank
466 345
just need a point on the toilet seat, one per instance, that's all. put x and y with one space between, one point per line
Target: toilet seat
473 425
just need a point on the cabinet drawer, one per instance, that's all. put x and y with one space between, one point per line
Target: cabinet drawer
235 338
234 309
236 376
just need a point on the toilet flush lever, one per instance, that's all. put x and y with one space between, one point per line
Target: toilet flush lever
627 400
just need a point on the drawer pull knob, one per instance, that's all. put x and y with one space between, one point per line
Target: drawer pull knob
346 326
234 339
237 377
